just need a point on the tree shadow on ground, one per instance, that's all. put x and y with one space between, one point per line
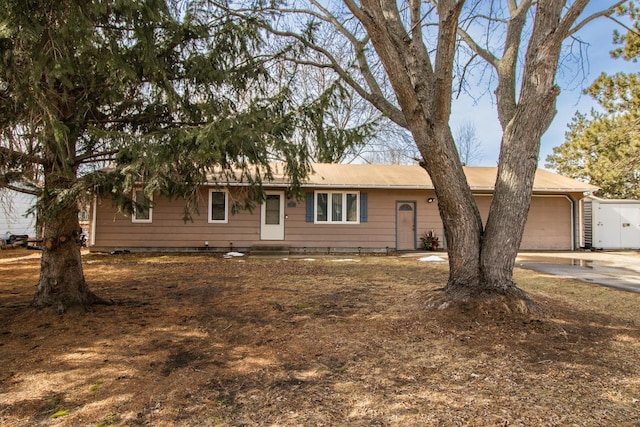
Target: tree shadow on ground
201 340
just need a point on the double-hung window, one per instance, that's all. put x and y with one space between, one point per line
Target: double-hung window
143 210
337 207
218 207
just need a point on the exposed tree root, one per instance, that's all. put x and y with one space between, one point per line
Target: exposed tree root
61 305
97 300
512 302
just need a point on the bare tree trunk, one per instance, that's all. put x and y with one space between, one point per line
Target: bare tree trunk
512 195
523 123
508 216
423 90
420 68
458 211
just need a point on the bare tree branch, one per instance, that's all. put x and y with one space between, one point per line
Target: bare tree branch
374 93
360 49
607 12
623 25
483 53
464 73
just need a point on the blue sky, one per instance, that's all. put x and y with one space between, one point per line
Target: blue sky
483 115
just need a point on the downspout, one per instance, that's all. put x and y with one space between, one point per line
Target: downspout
575 220
92 237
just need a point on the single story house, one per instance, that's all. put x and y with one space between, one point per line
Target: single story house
346 208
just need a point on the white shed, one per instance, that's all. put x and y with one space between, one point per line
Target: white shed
611 224
13 213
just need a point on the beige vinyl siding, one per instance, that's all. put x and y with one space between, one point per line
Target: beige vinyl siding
428 218
379 231
549 226
168 229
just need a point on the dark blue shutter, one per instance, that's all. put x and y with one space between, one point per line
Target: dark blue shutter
309 206
364 214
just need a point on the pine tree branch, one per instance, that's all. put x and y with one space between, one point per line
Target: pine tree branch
18 189
9 154
90 157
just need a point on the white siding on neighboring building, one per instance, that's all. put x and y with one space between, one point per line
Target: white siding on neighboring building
13 207
615 224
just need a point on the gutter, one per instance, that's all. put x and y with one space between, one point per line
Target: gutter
385 187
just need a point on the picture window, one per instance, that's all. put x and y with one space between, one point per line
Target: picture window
337 207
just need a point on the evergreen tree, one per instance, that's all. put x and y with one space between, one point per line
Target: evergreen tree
160 91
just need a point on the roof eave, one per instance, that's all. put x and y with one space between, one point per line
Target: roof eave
394 187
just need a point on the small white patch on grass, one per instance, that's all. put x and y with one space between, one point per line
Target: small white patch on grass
432 258
233 254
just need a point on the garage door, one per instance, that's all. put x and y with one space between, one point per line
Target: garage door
548 224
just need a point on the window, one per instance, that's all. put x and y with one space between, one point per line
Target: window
272 209
142 210
218 201
83 214
337 208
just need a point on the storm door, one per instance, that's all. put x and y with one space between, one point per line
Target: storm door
272 216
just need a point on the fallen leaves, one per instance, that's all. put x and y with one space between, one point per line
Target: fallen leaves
200 340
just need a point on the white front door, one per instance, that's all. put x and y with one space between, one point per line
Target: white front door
272 216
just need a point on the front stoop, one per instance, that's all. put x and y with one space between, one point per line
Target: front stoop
264 250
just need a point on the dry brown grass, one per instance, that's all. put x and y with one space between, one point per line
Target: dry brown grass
204 341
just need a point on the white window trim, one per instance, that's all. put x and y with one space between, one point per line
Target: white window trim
226 207
133 215
329 207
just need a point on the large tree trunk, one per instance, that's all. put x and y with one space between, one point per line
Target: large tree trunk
62 284
457 207
512 195
423 90
508 214
481 260
523 124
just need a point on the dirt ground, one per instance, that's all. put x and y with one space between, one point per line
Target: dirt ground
198 340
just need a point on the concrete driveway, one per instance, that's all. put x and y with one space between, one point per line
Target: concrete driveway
619 270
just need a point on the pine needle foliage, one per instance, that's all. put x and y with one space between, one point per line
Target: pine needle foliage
161 91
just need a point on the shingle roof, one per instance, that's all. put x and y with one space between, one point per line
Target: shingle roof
415 177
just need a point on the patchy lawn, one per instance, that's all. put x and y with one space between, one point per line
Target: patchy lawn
200 340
